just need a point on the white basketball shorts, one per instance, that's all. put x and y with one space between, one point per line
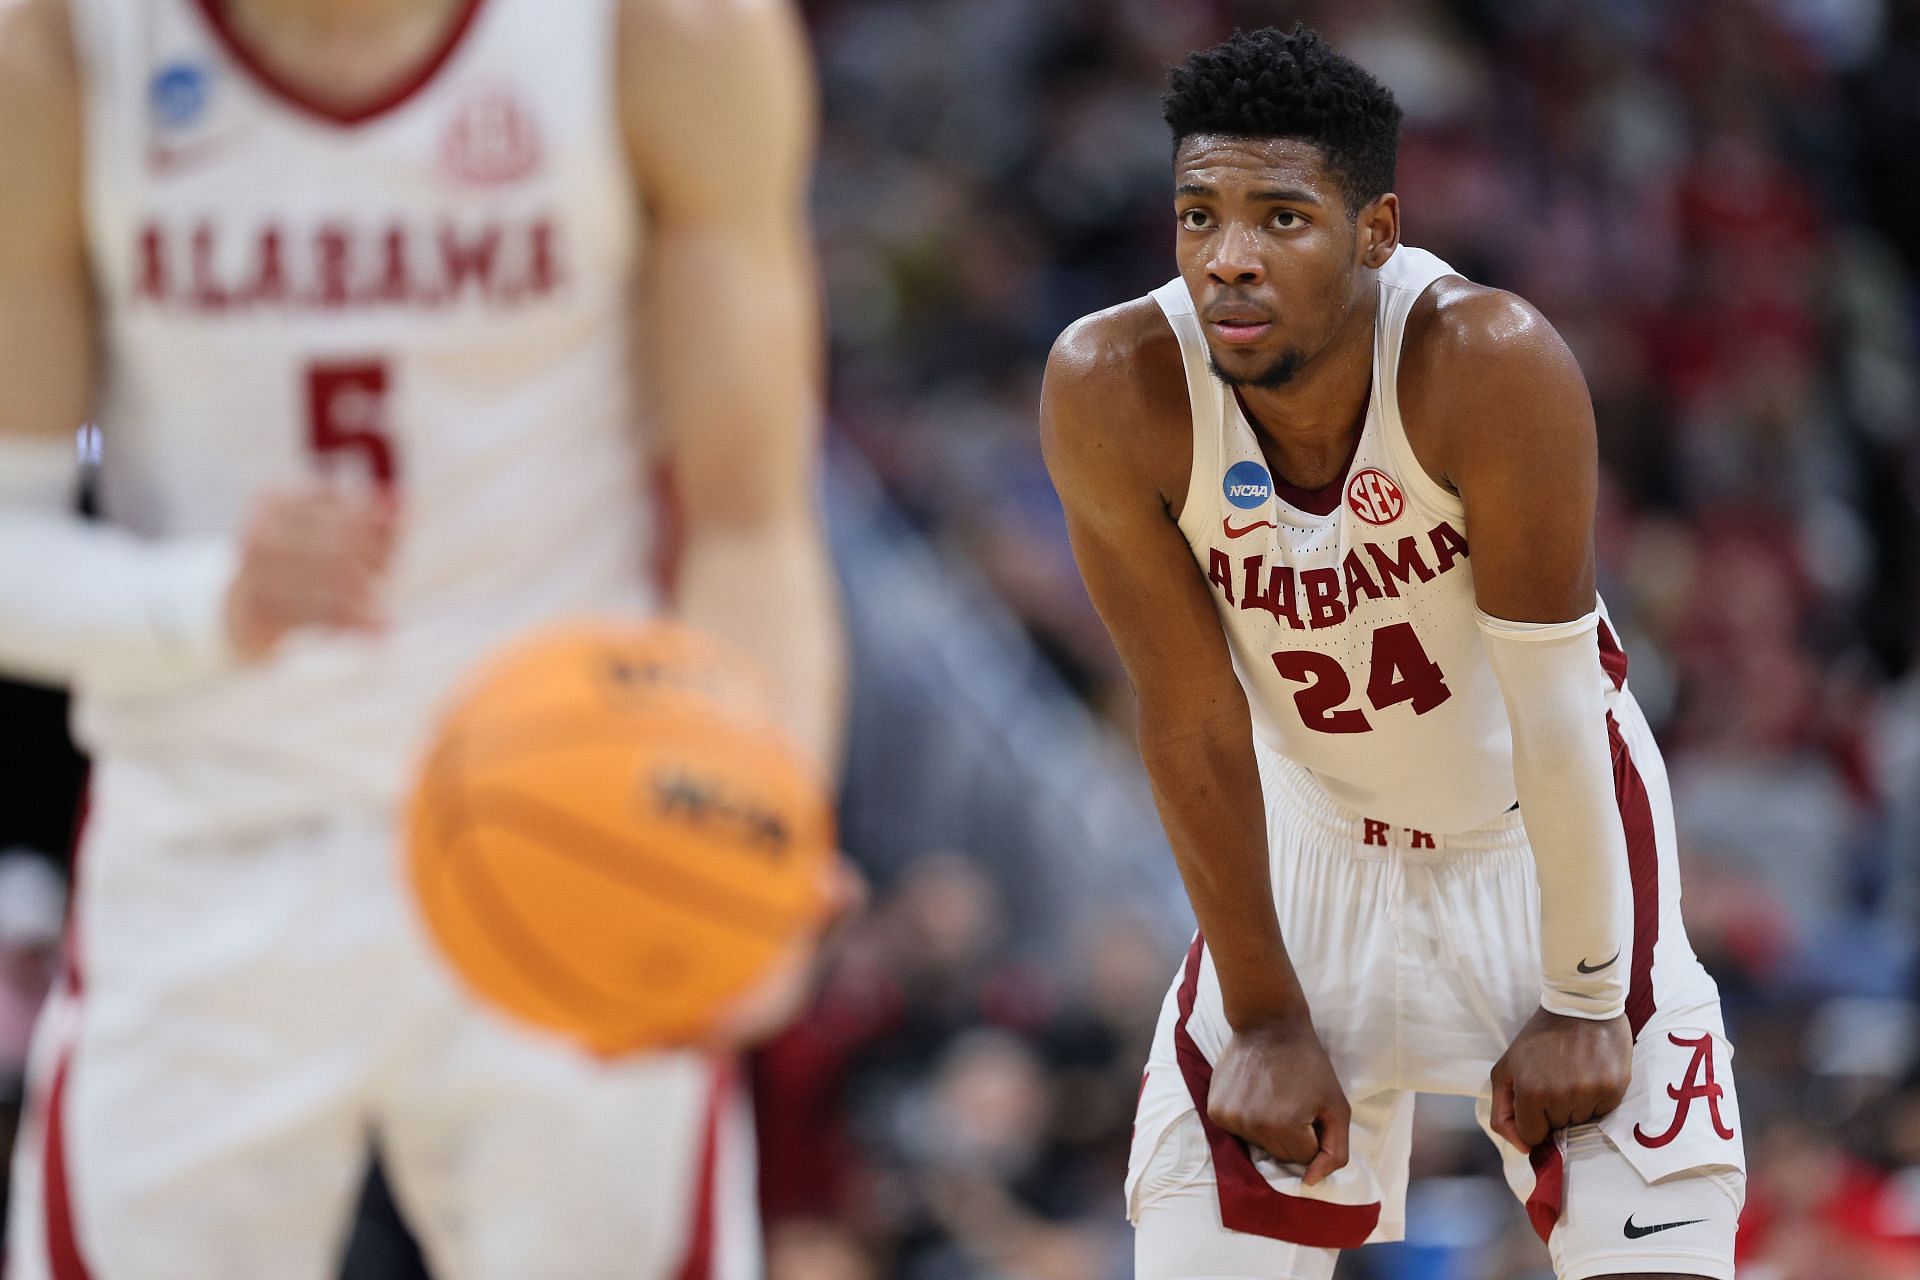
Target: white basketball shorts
243 1020
1420 958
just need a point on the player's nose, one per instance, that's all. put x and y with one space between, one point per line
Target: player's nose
1236 257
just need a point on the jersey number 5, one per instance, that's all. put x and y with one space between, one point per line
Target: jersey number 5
347 414
1398 671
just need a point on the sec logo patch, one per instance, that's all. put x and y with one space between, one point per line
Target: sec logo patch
1374 497
492 140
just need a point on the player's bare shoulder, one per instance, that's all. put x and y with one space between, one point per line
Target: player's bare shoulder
1114 409
39 70
1483 369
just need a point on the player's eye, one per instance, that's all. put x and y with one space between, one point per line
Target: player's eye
1195 219
1287 220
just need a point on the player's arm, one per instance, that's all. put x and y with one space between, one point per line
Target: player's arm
1517 441
1274 1085
718 105
85 601
73 599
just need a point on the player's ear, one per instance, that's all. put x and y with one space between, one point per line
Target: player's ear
1377 230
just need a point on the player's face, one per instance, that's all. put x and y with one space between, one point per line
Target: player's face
1268 251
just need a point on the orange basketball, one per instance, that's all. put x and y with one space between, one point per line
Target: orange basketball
613 839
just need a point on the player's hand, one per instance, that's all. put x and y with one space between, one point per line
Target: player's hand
1559 1071
312 555
1274 1086
785 993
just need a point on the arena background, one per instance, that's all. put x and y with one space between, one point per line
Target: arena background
1718 203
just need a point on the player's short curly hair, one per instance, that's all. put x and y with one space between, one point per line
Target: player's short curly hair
1291 84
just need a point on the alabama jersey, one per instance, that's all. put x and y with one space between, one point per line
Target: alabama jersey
430 292
1352 628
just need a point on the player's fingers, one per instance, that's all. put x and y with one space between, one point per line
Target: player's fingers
1501 1121
287 604
1333 1146
769 1006
304 542
366 616
354 531
376 522
1295 1144
1532 1123
846 894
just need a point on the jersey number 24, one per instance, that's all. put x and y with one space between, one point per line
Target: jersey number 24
1398 671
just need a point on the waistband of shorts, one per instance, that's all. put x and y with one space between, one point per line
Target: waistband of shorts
1307 798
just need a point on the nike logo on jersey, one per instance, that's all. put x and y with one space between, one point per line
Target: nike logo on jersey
1634 1233
1584 967
1226 523
168 160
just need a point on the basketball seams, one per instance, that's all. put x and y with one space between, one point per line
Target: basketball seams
532 958
536 961
716 902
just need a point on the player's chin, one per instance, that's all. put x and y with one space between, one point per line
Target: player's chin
1266 364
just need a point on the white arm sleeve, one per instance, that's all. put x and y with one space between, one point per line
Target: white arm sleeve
83 602
1554 687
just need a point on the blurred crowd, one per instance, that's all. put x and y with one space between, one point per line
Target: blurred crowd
1718 204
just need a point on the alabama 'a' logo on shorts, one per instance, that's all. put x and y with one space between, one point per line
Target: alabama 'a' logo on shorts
1697 1085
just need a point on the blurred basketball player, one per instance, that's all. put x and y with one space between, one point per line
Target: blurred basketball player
1335 504
352 287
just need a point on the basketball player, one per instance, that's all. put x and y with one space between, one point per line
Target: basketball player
351 287
1335 504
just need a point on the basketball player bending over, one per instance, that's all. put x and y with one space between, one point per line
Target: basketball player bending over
1335 504
351 286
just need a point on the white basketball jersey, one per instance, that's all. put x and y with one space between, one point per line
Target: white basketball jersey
1353 632
433 291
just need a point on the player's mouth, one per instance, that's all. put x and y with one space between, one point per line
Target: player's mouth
1239 325
1241 332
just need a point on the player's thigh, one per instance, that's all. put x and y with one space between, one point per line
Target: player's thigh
141 1158
1254 1216
1603 1214
1615 1222
197 1091
513 1154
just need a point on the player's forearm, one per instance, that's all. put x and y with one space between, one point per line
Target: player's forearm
732 327
1551 680
81 601
1207 786
767 587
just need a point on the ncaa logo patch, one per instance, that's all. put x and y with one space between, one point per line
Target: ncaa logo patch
1247 485
1374 497
178 93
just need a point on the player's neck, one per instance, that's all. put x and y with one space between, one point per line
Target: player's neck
332 15
342 51
1307 427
